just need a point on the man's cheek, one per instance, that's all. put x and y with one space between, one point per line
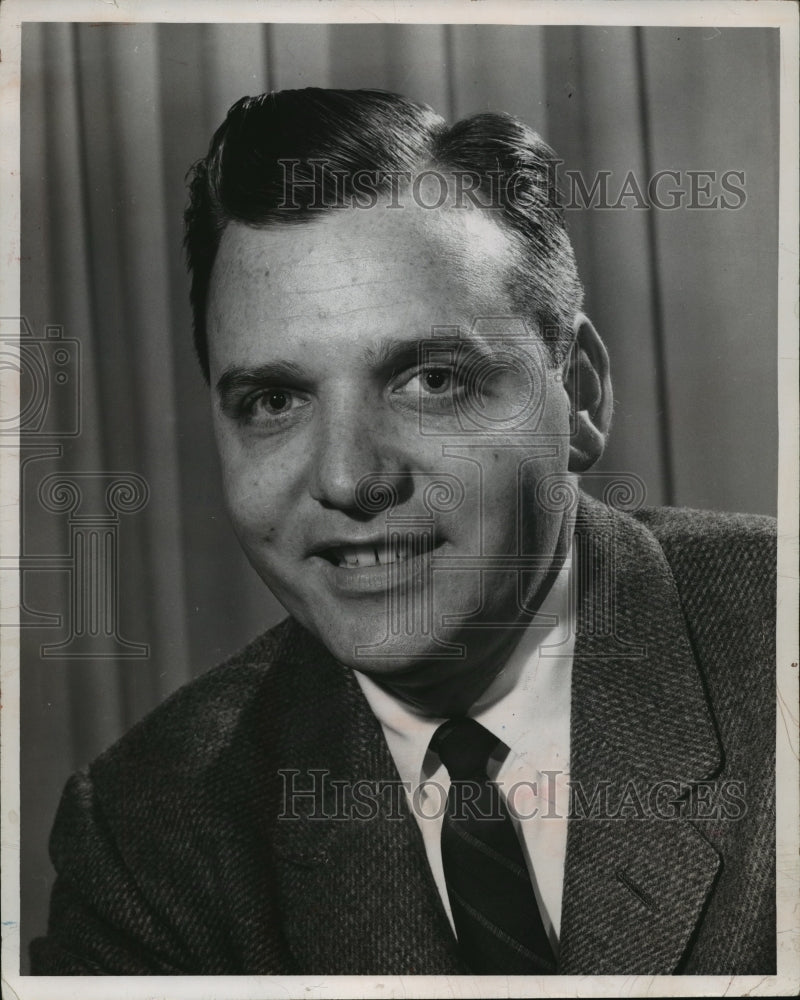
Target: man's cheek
504 499
250 509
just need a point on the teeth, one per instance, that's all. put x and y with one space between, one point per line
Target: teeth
369 555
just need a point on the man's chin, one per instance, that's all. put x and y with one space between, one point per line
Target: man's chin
381 655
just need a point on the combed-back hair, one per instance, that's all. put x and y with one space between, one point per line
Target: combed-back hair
324 141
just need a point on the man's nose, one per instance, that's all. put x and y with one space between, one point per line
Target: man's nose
353 443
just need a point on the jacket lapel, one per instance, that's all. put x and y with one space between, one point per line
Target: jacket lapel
371 870
641 733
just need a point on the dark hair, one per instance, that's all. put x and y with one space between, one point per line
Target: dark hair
323 139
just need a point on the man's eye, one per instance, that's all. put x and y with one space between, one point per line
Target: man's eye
276 401
437 380
270 406
434 388
430 382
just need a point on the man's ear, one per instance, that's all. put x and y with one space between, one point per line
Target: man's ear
588 385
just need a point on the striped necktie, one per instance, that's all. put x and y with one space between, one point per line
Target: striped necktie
497 920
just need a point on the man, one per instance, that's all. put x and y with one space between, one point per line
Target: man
506 728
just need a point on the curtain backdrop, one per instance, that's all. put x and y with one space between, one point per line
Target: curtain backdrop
112 117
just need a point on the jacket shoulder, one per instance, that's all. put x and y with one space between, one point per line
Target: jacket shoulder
706 528
201 713
224 719
721 552
725 569
140 832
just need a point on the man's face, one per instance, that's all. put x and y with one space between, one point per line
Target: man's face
329 389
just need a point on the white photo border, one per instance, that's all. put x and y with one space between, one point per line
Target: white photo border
740 13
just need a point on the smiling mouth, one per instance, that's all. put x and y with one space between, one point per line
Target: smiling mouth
398 550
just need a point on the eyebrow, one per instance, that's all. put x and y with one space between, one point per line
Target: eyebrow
396 354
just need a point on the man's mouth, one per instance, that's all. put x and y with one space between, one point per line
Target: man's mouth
379 564
382 554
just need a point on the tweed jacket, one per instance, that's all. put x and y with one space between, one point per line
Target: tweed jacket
173 855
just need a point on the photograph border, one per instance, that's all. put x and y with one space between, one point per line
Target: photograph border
740 13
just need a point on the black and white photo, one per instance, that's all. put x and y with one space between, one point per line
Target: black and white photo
404 553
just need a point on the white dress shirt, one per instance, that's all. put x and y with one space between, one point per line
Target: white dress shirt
527 706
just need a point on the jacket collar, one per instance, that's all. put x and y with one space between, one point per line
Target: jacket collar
634 887
641 733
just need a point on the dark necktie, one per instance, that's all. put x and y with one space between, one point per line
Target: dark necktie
497 920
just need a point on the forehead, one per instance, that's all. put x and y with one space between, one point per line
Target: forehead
356 271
